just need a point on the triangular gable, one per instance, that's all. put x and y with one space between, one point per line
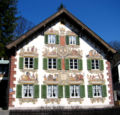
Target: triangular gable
63 13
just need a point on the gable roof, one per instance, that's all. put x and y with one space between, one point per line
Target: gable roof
53 17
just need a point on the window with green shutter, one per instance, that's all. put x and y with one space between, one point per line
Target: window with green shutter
57 39
36 91
43 91
59 64
80 64
66 64
101 65
67 40
45 63
35 63
46 39
104 91
82 91
89 64
19 91
90 91
67 91
60 91
77 40
21 63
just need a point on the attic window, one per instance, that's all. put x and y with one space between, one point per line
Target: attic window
72 39
51 39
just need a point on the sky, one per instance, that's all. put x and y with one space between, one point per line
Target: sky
101 16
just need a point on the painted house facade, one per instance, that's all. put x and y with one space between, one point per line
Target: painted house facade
60 63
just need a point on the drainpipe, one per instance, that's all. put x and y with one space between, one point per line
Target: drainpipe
119 72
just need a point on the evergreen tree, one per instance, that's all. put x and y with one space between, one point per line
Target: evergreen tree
8 11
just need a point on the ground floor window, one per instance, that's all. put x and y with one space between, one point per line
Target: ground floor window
97 90
74 91
27 91
52 91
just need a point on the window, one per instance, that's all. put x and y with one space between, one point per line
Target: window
28 62
73 64
52 91
27 91
74 91
72 39
97 90
52 64
95 64
51 39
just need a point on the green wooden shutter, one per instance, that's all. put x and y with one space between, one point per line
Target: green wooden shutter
46 39
59 64
90 91
67 91
80 65
21 63
89 64
67 40
57 39
19 91
45 63
35 63
66 64
82 91
36 91
104 91
77 40
101 65
43 91
60 91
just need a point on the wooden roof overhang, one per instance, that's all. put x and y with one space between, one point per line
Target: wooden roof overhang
64 15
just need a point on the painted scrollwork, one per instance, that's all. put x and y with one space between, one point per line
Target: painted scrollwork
55 100
30 51
93 100
29 77
27 100
96 79
51 31
94 54
70 100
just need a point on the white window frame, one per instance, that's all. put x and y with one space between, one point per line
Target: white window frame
51 39
95 64
74 88
97 90
73 64
28 89
72 40
50 91
52 63
28 65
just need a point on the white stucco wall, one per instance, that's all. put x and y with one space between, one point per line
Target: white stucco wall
38 42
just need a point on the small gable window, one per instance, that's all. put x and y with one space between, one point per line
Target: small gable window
51 39
72 40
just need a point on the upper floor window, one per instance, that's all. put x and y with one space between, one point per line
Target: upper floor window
27 91
51 39
28 62
72 39
97 90
52 63
74 91
52 91
95 64
73 64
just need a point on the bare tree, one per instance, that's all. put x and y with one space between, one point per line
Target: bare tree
115 45
23 25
